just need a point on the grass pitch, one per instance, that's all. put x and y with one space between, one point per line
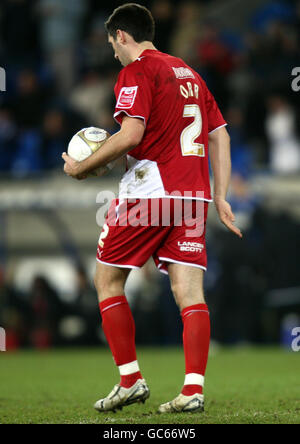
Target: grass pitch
243 385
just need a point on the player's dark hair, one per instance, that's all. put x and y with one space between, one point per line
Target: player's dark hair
134 19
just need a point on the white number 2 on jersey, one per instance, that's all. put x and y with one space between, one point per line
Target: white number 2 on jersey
103 235
191 132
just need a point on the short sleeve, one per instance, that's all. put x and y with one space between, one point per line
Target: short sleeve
133 94
214 115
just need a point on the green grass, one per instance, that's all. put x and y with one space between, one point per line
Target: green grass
243 385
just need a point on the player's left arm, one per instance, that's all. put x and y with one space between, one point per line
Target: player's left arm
219 154
130 135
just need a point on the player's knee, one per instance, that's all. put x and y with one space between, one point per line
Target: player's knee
102 287
185 297
179 292
107 286
97 282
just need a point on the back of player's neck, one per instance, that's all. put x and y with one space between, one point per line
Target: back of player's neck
143 46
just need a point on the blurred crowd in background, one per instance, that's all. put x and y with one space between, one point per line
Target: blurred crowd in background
60 74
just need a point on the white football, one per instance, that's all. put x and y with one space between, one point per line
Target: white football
85 142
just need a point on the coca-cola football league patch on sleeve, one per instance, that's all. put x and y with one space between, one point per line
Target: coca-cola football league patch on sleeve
127 97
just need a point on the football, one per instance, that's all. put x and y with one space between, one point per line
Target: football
84 143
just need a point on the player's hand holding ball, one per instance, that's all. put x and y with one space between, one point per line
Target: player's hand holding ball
82 145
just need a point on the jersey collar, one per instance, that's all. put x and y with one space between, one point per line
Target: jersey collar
145 52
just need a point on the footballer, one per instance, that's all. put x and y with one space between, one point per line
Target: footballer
169 124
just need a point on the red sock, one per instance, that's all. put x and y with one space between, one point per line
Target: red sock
119 329
196 336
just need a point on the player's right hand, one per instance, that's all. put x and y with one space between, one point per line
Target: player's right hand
72 168
226 215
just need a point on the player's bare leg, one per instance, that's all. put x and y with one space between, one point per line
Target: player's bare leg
186 284
110 281
187 287
119 329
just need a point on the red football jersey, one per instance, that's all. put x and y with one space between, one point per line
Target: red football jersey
179 112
